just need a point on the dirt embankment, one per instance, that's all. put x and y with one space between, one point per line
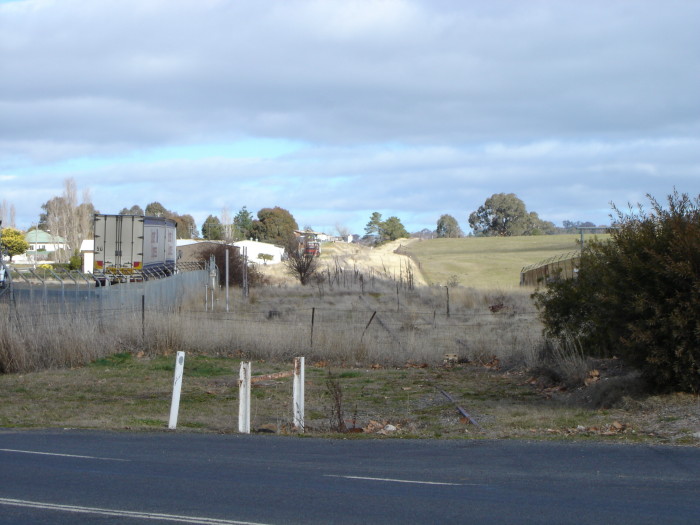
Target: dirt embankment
380 261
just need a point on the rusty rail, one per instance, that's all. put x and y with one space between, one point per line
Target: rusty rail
460 409
276 375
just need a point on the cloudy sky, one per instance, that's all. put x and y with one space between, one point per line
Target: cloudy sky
336 109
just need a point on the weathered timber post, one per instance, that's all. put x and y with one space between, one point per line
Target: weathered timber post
177 388
313 317
298 393
244 398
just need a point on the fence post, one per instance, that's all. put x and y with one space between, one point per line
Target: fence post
245 272
366 327
177 388
447 291
143 318
298 393
313 317
244 398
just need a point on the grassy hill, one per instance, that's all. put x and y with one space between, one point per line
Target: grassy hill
486 262
475 262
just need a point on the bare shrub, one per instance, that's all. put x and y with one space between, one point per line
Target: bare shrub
336 411
452 281
302 263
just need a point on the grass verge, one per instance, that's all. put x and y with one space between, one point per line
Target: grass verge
125 392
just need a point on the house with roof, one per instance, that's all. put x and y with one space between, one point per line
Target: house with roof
41 241
314 236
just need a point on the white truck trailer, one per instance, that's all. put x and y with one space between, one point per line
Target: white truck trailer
133 247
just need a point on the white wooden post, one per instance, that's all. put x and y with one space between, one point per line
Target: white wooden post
177 388
244 398
298 393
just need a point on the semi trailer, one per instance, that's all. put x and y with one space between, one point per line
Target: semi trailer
133 247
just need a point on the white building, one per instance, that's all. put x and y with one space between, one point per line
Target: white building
41 241
87 250
257 249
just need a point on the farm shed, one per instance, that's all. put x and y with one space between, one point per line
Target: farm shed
87 250
558 267
255 249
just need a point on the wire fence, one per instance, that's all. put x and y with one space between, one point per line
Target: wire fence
361 322
367 334
48 296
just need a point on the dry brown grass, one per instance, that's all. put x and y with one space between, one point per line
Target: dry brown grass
345 327
388 372
353 321
383 337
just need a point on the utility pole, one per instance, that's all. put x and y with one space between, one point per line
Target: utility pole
212 275
5 277
2 260
582 229
227 300
245 271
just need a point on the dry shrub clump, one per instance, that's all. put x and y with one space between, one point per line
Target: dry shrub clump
45 338
562 362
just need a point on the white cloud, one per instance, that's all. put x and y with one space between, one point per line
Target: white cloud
418 107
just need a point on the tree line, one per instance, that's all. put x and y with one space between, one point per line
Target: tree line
65 216
274 225
505 215
502 214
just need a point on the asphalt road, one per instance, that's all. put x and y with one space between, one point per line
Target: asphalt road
106 477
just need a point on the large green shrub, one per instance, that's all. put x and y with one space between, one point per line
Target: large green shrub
75 262
638 296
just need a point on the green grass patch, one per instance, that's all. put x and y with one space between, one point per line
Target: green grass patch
348 374
149 422
201 366
135 393
193 425
114 360
198 366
